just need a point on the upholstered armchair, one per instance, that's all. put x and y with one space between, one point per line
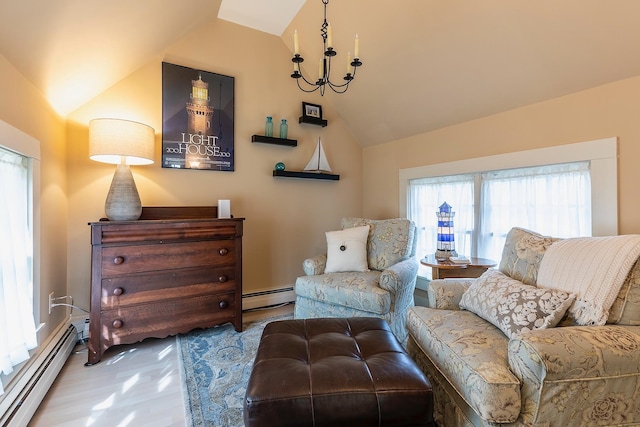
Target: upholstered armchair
341 283
514 349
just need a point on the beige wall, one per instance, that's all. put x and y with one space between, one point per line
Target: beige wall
285 218
607 111
24 108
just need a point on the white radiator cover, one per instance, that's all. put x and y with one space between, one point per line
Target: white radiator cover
20 402
268 298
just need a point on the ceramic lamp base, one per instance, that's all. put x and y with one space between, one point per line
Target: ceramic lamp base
123 202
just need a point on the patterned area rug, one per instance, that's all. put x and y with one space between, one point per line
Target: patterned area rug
215 368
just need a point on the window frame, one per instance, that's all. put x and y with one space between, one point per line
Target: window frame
601 153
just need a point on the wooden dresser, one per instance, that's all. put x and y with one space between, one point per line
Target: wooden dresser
171 271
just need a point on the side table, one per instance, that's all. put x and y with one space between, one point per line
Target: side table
445 269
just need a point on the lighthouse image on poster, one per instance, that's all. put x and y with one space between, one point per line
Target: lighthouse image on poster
197 119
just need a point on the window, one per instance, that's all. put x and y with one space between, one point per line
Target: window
577 195
425 197
553 200
19 171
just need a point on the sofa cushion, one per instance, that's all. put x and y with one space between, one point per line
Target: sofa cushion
390 240
360 290
513 306
347 250
472 355
522 254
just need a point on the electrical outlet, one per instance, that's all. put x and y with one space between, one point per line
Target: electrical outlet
50 302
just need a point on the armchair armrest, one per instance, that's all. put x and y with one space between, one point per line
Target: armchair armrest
314 265
400 276
576 367
576 352
446 294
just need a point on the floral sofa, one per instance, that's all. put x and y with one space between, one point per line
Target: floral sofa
516 368
376 280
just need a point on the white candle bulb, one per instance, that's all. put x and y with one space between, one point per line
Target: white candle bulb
356 51
348 62
296 46
329 36
320 71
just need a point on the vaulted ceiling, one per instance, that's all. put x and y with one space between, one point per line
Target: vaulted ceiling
427 63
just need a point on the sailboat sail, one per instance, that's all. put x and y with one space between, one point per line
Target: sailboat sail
318 162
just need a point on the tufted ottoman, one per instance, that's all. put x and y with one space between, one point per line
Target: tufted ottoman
335 372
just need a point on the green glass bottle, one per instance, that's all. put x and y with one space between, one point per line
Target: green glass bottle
268 127
284 129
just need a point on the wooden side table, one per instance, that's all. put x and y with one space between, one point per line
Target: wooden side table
448 269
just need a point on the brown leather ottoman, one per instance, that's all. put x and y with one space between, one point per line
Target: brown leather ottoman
335 372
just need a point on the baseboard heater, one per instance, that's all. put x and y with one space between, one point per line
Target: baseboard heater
20 402
268 298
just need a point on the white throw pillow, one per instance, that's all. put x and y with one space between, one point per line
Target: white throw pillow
347 250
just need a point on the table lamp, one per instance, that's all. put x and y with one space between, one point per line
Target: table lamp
446 238
124 143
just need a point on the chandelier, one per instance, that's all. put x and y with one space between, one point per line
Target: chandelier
324 67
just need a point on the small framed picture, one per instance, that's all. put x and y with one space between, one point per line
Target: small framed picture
311 111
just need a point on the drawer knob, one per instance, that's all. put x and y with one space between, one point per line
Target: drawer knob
223 304
118 260
117 324
223 251
222 279
118 291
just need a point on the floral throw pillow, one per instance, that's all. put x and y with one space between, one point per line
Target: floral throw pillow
522 253
512 306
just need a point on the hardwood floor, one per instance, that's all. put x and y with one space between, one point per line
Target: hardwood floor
133 385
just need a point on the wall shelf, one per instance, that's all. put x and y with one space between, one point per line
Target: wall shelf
276 141
313 121
307 175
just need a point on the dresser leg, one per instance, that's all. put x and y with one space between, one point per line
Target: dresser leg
94 355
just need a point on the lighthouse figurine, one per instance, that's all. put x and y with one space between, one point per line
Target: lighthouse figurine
446 240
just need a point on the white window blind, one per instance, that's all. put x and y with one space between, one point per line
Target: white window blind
553 200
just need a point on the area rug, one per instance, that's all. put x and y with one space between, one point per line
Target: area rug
215 365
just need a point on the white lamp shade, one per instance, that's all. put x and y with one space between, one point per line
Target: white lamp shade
116 140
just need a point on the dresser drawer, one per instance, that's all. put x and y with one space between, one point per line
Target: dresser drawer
164 318
118 260
161 231
154 286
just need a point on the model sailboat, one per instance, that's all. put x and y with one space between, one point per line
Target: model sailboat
318 162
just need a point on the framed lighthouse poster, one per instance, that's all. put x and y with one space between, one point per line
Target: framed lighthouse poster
197 119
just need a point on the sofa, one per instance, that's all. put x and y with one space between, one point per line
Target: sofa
369 270
514 347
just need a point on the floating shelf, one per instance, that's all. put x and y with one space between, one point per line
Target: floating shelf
308 175
313 121
275 141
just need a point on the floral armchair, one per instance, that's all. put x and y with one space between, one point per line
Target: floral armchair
486 370
382 284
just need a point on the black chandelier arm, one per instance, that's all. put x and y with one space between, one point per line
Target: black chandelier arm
321 83
307 90
297 74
